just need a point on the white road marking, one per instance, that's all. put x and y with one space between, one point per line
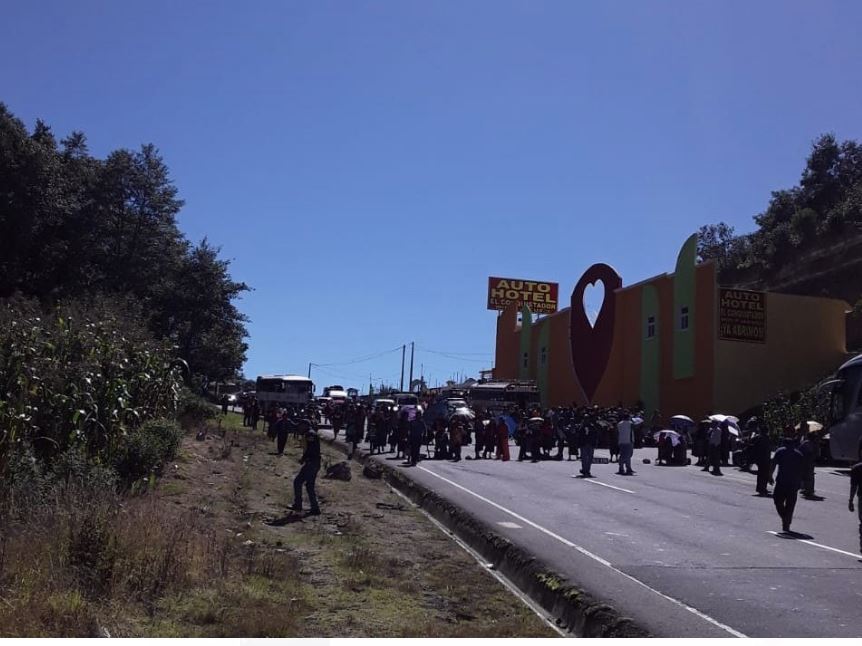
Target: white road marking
605 484
589 554
506 523
825 547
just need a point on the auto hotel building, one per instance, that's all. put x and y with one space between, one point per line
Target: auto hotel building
680 343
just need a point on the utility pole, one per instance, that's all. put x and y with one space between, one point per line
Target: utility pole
309 370
403 356
412 347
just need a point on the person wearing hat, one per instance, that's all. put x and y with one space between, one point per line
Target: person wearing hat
307 475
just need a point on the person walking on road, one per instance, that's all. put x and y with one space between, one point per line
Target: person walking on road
456 438
502 440
478 437
762 455
810 450
358 429
418 429
856 490
280 430
625 442
714 449
490 438
307 475
791 465
588 445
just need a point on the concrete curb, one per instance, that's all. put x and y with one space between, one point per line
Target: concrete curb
572 607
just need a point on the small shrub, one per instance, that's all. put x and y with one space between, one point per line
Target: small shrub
92 548
146 449
193 411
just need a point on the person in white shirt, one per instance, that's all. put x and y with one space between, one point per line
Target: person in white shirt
626 437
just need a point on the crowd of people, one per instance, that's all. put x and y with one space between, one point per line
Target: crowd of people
561 433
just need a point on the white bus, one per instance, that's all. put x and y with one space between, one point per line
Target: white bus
845 429
283 390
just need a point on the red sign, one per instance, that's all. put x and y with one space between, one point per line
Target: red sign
539 296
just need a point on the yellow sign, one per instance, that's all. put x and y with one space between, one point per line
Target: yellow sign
539 296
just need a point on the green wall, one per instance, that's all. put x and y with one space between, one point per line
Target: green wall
683 296
650 351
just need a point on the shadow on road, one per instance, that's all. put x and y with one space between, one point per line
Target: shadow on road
795 536
284 520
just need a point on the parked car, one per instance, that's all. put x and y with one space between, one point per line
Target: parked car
382 402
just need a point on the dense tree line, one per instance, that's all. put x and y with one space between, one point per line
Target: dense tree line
825 206
73 226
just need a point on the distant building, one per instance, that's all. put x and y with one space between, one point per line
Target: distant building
679 343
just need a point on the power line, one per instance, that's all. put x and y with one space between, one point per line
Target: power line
359 360
455 357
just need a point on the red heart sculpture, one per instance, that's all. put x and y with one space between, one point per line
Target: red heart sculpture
591 344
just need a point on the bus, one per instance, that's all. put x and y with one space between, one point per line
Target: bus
283 390
845 428
499 395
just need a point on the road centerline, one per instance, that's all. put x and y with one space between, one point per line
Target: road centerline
590 555
820 545
605 484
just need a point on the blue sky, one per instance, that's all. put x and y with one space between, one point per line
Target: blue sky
367 165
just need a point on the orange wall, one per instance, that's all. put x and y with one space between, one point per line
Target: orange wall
507 350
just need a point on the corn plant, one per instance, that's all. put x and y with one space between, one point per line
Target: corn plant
77 377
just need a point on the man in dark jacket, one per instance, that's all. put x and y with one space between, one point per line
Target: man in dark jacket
791 465
416 437
281 428
761 455
589 437
307 475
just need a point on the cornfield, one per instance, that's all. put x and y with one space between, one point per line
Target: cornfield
79 377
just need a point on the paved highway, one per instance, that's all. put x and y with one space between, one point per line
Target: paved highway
681 551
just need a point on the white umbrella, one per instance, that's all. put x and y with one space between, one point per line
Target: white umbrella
732 422
813 427
718 417
682 418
